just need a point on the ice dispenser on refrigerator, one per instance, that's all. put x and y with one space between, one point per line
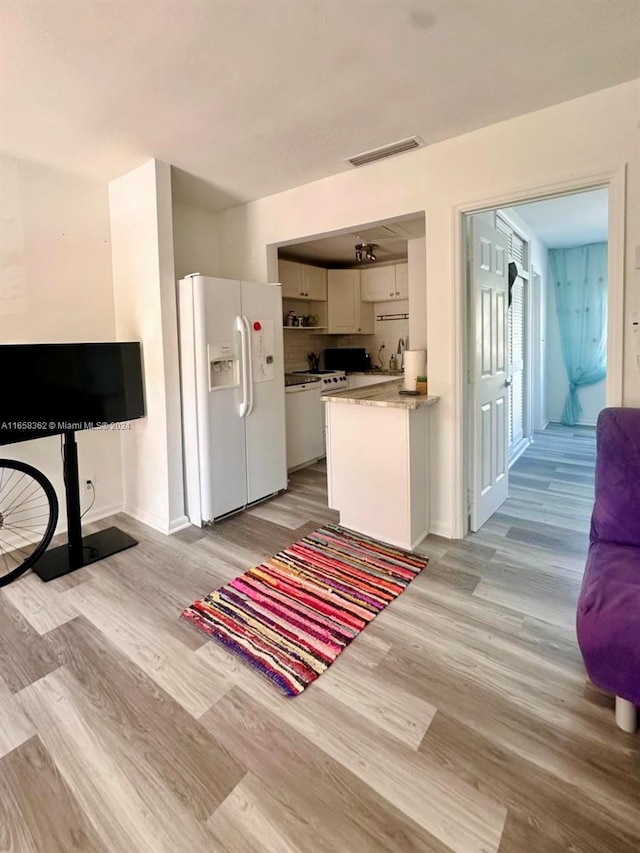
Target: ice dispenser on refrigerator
224 366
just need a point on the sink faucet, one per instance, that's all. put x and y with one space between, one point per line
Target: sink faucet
400 358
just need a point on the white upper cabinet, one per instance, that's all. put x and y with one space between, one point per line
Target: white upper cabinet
301 281
347 315
384 284
402 281
290 275
378 284
315 283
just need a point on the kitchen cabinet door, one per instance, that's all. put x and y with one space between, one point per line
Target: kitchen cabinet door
315 283
291 279
301 281
343 294
346 312
402 281
378 284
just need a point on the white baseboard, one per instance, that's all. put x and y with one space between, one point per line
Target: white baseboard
518 453
95 514
438 529
180 523
157 522
579 423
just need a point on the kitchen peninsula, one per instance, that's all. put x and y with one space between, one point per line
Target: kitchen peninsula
378 462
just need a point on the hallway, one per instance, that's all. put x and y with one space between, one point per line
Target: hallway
540 535
553 480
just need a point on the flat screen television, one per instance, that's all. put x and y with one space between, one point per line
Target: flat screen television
47 389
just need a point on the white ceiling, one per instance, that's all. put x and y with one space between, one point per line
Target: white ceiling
249 97
570 220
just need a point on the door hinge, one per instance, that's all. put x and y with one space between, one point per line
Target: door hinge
470 499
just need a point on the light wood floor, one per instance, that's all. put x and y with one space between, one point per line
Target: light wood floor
459 720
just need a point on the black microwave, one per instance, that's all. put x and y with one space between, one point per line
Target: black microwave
347 359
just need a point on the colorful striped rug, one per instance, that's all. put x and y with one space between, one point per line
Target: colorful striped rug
291 616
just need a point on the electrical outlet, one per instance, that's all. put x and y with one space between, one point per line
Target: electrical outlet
89 483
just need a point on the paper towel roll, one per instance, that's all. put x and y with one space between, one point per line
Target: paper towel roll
415 364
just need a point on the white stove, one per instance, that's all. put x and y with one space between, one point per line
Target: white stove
330 380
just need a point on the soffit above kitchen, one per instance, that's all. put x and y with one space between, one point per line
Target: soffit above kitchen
337 251
247 98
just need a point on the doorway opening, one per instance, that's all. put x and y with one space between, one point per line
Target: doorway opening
537 300
351 301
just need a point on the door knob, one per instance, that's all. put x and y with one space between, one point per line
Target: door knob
507 383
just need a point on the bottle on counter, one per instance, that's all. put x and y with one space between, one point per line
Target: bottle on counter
392 362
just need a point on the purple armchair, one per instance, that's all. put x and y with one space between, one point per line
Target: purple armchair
608 620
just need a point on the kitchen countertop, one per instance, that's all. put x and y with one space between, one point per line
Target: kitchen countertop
292 379
375 372
384 394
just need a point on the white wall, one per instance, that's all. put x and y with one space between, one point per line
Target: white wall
596 132
592 397
56 286
145 304
417 260
194 241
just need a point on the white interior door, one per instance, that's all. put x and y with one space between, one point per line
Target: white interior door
488 301
538 384
516 364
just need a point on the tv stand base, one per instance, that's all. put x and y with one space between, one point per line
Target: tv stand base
56 562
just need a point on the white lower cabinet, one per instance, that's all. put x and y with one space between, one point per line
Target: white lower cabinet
305 425
378 470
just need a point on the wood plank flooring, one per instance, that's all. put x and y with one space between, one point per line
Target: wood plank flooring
460 720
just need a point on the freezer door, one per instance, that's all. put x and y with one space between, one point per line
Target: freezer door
222 468
266 462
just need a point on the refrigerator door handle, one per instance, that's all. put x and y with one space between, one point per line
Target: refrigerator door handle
247 330
245 365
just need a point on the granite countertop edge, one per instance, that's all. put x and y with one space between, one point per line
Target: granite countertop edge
376 372
385 394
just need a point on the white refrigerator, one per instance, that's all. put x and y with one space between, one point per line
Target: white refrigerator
232 379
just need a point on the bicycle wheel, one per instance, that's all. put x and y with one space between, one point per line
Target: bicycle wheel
28 517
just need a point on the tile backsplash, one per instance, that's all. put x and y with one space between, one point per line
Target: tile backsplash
299 342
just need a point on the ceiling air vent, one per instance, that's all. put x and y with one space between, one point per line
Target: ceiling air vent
386 151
